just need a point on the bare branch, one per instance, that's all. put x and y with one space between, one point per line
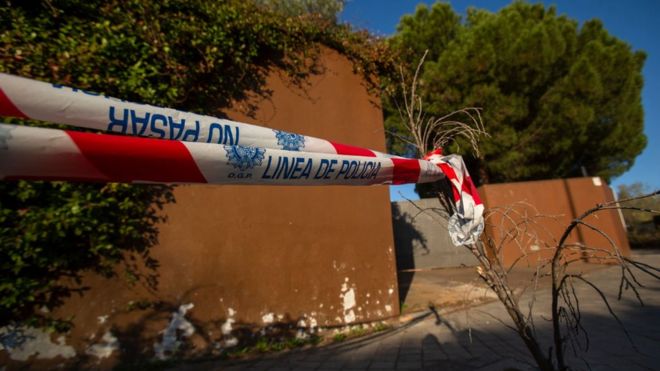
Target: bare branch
430 133
609 308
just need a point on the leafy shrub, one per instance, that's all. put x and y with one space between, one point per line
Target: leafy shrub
51 232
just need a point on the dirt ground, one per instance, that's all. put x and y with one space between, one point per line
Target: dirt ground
450 289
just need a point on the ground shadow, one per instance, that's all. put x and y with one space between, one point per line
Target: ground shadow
437 343
410 243
406 239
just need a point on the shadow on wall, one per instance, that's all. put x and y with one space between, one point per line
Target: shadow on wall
407 238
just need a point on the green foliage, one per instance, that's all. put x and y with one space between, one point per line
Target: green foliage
52 232
196 55
641 222
435 26
269 344
381 326
272 345
358 330
555 97
337 338
326 9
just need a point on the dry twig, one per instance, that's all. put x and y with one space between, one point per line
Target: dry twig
430 132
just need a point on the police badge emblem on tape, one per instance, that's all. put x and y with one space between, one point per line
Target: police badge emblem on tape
289 141
244 158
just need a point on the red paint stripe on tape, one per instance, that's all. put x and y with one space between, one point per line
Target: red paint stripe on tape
451 175
405 171
7 107
345 149
126 159
468 186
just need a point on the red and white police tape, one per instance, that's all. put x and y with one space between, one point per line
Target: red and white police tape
467 223
26 98
202 149
38 153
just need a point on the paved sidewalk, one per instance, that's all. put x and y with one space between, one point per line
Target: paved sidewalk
478 339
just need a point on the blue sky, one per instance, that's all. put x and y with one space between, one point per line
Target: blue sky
635 22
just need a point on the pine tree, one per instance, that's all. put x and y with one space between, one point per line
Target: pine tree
557 99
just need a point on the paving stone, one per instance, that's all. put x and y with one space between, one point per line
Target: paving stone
333 365
408 365
307 364
377 364
436 355
410 358
357 364
386 358
262 364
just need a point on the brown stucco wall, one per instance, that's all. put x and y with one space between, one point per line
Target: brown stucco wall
288 250
311 256
550 205
585 193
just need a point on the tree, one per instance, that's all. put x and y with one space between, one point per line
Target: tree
436 26
556 97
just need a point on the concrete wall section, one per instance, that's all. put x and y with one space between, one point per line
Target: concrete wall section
421 237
